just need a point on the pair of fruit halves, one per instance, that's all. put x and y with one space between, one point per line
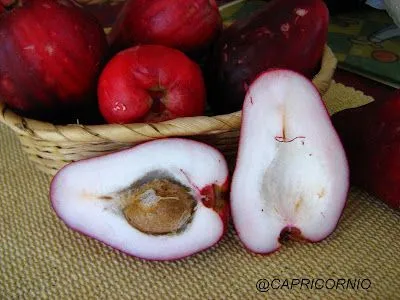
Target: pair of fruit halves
169 198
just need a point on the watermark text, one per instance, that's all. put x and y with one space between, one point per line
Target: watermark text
265 285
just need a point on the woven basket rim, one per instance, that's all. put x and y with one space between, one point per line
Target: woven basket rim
119 132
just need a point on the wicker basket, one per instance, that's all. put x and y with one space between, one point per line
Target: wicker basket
51 147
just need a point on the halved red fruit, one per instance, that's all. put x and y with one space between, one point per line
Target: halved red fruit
291 175
161 200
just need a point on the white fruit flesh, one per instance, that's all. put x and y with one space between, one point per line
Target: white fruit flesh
291 169
87 196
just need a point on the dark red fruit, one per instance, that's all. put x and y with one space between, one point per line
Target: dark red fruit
283 34
187 25
50 56
371 137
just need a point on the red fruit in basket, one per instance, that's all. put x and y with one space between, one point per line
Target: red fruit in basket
283 34
187 25
50 56
291 175
171 204
371 137
150 83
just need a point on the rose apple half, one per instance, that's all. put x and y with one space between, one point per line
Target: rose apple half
150 83
187 25
291 175
161 200
51 54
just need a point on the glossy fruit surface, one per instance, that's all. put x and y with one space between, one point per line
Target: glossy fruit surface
50 57
282 34
187 25
150 83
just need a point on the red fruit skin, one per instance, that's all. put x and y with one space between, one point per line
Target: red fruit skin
371 137
150 83
50 57
187 25
282 34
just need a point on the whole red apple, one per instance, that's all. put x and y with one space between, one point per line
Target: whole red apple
150 83
50 57
187 25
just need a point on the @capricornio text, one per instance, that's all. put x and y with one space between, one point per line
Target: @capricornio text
265 285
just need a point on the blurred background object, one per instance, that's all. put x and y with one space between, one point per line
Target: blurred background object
393 9
378 4
391 6
339 6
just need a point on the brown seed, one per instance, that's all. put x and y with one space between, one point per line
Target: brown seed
160 207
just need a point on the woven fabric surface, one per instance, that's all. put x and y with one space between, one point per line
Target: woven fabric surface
40 258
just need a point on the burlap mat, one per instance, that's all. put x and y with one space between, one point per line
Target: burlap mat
41 258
